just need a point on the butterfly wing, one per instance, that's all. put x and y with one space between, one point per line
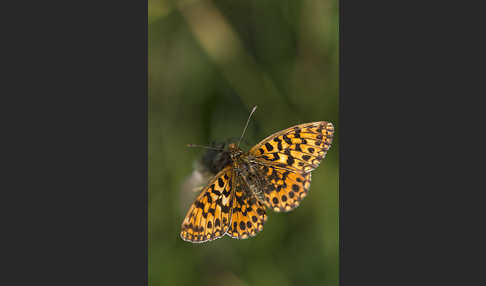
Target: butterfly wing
284 189
248 214
299 148
209 216
286 159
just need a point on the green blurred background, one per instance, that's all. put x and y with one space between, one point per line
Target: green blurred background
210 62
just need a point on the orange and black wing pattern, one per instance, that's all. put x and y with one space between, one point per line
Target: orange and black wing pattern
299 148
209 216
287 158
248 214
284 189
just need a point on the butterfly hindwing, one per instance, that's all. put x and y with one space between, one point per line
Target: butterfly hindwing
284 189
209 216
299 148
248 214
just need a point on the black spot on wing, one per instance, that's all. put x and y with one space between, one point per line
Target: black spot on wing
290 160
199 204
208 196
297 147
287 139
269 147
225 209
279 145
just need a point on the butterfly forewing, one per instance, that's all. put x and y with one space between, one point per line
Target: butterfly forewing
209 216
299 148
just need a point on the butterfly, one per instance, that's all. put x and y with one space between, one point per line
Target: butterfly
274 174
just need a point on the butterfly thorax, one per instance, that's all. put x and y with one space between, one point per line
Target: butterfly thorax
247 170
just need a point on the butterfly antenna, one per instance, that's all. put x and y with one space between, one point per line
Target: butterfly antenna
205 147
248 121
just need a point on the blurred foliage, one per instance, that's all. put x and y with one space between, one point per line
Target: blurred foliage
210 62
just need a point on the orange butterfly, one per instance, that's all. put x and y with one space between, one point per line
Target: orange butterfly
275 173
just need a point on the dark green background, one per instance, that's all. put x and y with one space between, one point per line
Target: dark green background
209 63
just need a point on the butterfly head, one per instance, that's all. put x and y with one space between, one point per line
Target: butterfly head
235 151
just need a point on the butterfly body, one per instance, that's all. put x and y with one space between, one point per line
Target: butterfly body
273 174
245 167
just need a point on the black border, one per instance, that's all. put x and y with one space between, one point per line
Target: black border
409 119
76 104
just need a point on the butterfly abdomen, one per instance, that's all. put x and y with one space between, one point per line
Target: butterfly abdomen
253 178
